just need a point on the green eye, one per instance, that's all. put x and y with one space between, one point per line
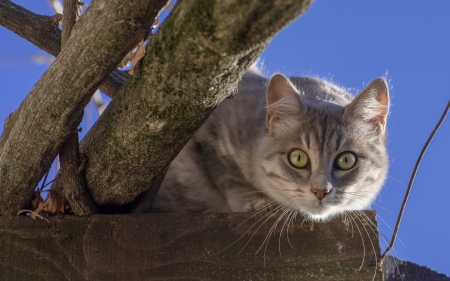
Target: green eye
298 158
346 161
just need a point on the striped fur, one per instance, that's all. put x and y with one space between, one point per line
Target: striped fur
238 160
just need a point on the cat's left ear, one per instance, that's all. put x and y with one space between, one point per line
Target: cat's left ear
372 105
283 103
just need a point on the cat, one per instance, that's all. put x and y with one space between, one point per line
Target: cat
301 143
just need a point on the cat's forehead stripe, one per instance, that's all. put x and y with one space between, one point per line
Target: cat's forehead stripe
324 128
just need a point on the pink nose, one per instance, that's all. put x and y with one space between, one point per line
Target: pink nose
320 193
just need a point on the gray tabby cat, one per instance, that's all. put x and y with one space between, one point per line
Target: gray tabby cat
302 143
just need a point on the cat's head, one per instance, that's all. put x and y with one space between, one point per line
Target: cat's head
322 158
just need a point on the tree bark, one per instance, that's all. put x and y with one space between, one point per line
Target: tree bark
192 63
71 14
98 42
187 247
74 188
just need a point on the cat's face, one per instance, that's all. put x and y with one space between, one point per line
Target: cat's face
324 159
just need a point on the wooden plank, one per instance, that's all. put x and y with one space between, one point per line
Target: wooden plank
187 247
398 270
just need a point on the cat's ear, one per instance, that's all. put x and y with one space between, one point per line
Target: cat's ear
372 105
283 102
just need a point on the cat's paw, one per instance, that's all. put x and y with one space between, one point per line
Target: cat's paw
262 205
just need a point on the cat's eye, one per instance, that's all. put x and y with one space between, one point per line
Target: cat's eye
345 161
298 158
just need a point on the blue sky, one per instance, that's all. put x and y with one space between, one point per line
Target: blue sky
350 43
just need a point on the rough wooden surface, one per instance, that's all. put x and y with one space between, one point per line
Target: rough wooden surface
184 247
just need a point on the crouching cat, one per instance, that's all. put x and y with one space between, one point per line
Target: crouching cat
300 143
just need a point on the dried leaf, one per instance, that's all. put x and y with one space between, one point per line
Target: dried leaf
54 203
36 201
137 57
127 59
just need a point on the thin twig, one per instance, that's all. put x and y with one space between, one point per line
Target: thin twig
43 182
413 175
36 214
50 182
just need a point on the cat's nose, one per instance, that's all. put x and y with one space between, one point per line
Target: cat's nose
320 193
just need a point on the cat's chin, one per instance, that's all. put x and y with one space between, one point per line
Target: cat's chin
319 212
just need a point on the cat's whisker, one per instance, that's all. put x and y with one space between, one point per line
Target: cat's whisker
397 180
387 225
292 217
354 201
362 196
257 211
384 237
371 242
304 219
362 240
271 213
272 230
266 206
371 224
357 194
350 223
362 204
247 229
291 211
360 191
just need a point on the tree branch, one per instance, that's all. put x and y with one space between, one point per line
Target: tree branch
70 16
192 63
98 42
74 188
43 32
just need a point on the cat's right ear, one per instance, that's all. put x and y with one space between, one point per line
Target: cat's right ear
283 103
372 105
